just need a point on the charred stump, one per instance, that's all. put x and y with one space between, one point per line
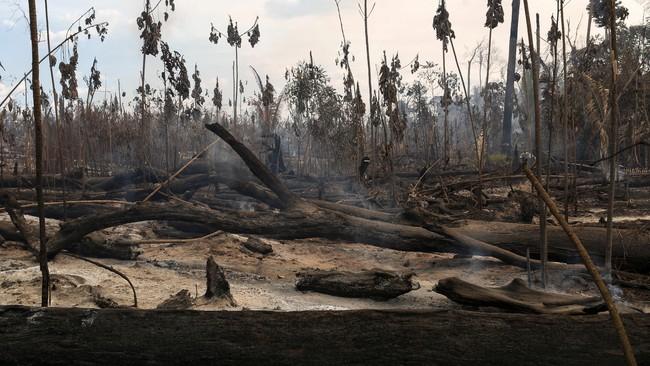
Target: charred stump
217 286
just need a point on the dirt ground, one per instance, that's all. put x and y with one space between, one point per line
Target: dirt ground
257 282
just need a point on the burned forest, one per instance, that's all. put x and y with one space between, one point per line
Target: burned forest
288 182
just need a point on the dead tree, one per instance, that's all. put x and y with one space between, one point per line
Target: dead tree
38 136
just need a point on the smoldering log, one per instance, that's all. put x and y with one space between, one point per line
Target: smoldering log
631 250
185 337
380 285
517 297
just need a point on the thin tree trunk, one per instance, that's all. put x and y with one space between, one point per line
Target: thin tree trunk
143 109
565 116
471 119
484 125
236 83
538 140
446 106
543 210
613 137
38 137
552 114
372 128
59 128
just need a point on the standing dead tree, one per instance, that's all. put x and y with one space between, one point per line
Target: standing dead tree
538 139
365 13
444 33
151 34
234 39
613 136
38 137
494 16
506 141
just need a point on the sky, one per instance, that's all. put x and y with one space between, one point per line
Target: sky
290 29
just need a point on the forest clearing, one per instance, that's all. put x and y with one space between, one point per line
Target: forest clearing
465 207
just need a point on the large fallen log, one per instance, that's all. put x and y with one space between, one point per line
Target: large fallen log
516 296
29 182
631 249
133 337
70 211
95 244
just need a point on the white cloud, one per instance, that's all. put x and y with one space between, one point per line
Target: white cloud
297 8
4 90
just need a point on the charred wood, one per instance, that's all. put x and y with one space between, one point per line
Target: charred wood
380 285
184 337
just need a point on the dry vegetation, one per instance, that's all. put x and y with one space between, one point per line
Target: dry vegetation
314 196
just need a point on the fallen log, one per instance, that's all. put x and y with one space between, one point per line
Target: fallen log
70 211
257 246
95 245
29 182
155 337
631 251
517 297
121 180
380 285
98 245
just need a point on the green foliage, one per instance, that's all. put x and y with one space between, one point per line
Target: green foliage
305 83
417 94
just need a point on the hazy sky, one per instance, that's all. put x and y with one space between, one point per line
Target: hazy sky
289 28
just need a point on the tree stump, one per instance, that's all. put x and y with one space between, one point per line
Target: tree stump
217 285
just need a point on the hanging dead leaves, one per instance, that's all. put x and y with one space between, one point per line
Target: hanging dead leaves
442 25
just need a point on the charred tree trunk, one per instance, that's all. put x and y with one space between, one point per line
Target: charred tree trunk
131 337
38 136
